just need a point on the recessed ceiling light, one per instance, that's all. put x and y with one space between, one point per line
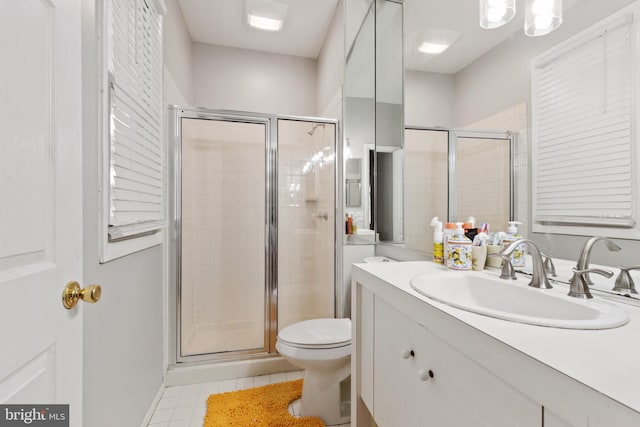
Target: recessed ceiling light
433 48
267 24
434 41
265 15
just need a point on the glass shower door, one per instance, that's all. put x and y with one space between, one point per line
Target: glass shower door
306 220
222 305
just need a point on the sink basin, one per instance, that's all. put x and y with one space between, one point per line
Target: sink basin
514 301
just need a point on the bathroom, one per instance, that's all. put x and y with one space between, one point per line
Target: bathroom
129 339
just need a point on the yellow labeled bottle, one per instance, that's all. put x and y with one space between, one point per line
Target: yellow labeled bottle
438 243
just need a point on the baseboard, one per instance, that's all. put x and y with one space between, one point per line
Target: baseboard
147 418
218 371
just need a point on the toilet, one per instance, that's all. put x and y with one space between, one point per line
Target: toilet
322 347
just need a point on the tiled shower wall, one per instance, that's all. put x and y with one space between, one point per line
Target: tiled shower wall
306 170
223 231
426 168
223 217
515 120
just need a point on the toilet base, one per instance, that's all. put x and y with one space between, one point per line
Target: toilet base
321 396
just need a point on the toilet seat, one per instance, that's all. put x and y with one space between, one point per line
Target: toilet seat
317 334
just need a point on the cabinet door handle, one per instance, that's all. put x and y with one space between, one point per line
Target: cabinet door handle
407 354
425 374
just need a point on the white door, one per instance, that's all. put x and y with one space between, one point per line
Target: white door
40 203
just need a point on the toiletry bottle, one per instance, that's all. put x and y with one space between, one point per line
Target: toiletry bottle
449 229
458 250
349 225
438 240
519 256
346 223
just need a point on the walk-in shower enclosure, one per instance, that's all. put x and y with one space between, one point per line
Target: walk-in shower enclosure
253 239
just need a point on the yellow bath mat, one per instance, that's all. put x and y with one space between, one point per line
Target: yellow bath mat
261 406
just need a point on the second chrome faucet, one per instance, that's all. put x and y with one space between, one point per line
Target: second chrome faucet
538 277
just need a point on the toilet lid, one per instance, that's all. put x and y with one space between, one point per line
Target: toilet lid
317 333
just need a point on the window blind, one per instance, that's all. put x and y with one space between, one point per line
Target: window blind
136 161
583 151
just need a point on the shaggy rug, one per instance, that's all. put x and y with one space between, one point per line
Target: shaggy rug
261 406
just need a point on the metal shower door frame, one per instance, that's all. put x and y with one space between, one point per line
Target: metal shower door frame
174 132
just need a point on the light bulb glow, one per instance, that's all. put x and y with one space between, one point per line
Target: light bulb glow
543 21
433 48
496 13
263 23
543 16
542 7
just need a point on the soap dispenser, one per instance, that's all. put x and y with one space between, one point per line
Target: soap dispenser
458 250
438 236
519 256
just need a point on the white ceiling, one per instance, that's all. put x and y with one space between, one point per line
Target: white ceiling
456 15
222 22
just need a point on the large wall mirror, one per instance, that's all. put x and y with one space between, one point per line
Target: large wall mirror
482 82
373 125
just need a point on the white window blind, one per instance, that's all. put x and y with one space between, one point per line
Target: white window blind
583 142
136 161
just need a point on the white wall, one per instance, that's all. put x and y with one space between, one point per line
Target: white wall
177 51
123 344
247 80
428 99
330 63
501 79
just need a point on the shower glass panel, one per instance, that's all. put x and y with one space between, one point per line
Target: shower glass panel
483 180
306 219
425 184
223 207
454 174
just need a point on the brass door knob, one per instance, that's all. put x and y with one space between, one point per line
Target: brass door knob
73 293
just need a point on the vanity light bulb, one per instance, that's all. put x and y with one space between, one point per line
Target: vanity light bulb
543 21
542 16
495 13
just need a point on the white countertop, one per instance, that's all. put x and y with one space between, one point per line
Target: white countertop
607 361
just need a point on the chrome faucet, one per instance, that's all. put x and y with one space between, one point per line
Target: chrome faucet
549 266
583 259
579 287
624 282
507 272
539 277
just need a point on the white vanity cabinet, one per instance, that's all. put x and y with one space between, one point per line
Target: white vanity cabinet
438 385
415 364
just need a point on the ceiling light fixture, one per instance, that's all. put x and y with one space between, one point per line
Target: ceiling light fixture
542 17
434 42
267 24
496 13
433 48
265 15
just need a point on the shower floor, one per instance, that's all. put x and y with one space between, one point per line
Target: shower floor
224 337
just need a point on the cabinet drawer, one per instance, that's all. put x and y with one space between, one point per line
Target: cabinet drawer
460 393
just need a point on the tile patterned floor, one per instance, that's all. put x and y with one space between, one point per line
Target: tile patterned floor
185 406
